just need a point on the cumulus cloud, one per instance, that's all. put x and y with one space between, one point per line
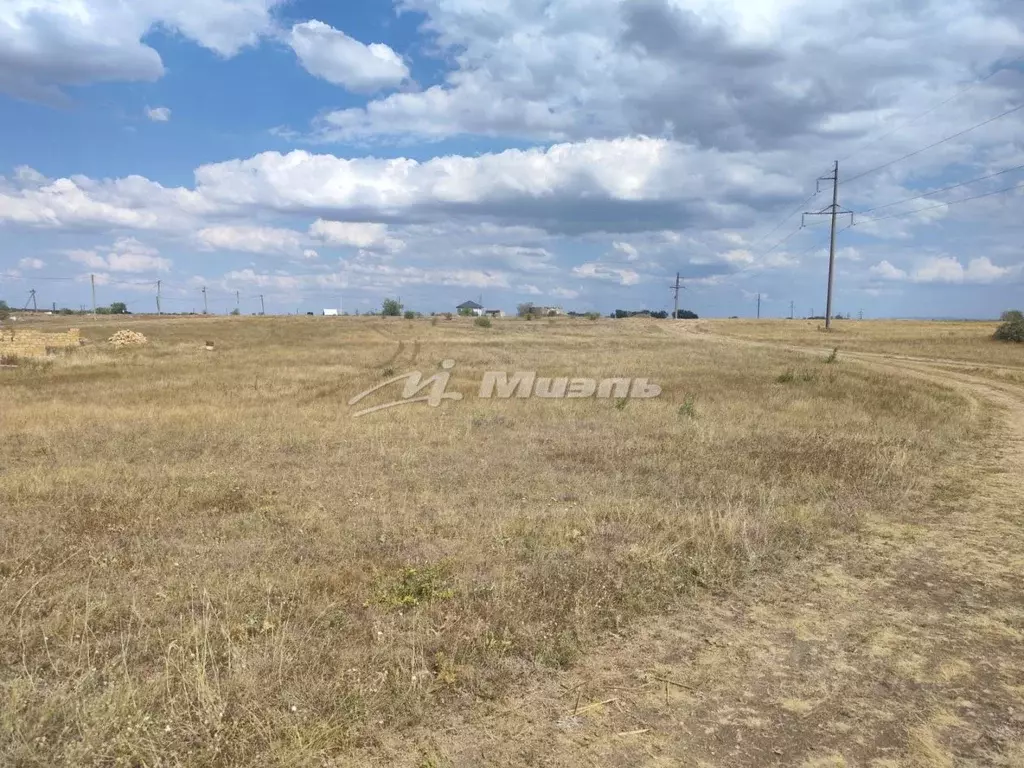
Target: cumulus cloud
158 114
732 74
946 269
250 239
598 271
45 44
367 236
125 255
337 58
31 263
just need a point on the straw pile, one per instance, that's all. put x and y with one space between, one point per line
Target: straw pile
21 344
128 339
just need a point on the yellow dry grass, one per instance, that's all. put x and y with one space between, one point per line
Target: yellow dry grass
27 344
204 560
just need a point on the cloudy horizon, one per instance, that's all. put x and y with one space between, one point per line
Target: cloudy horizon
578 153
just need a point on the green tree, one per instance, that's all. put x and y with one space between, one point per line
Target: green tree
4 310
1012 328
119 308
391 308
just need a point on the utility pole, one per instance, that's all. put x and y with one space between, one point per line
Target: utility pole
205 307
675 312
158 298
55 307
860 315
263 310
238 303
791 310
833 211
92 280
759 306
32 298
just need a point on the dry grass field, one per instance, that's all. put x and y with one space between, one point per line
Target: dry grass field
205 560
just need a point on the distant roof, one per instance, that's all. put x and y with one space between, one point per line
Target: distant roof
469 305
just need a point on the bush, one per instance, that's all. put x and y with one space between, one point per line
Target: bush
237 311
483 322
409 315
1012 328
593 315
391 308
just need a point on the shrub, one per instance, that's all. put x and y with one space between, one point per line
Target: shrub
786 377
483 322
689 407
409 315
1012 328
391 308
593 315
834 356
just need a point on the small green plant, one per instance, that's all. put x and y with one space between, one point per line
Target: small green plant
416 586
786 377
482 322
409 315
387 373
621 403
833 357
689 407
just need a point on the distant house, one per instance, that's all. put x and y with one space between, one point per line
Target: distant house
494 313
470 307
330 313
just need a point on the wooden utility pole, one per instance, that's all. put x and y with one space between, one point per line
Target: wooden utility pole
675 312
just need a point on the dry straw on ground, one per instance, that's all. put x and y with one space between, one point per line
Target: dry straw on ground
206 561
125 338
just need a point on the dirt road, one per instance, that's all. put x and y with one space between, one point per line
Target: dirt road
900 645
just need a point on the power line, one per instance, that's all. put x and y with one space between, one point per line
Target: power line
936 144
927 112
944 189
943 205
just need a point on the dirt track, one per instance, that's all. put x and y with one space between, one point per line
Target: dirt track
901 645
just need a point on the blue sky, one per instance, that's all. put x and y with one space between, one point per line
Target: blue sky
326 154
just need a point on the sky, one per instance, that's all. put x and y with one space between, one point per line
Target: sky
577 153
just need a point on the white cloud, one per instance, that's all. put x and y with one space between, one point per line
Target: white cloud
599 271
564 293
946 269
158 114
46 44
310 254
368 236
627 250
732 73
334 56
887 271
250 239
30 263
530 290
125 255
